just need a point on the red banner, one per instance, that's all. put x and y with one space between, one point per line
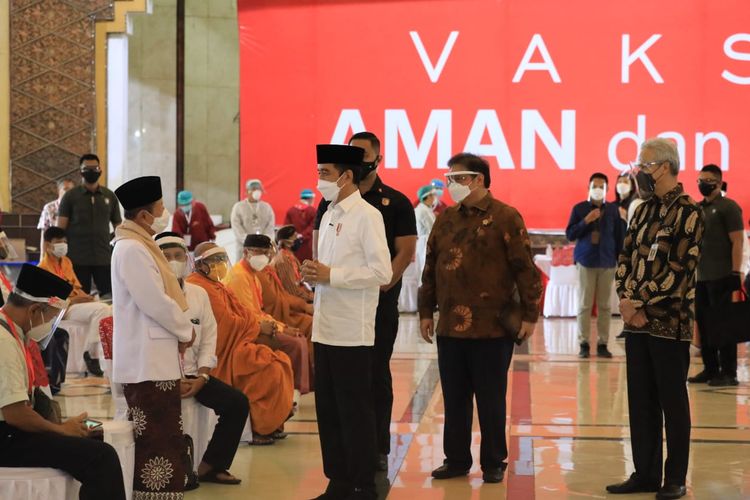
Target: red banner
548 91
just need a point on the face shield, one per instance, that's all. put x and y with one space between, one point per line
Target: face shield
43 332
7 252
217 261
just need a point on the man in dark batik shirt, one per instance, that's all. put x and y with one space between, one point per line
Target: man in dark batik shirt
480 274
656 283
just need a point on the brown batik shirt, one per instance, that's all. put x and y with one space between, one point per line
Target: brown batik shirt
656 269
479 270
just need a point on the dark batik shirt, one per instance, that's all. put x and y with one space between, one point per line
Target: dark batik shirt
657 267
478 263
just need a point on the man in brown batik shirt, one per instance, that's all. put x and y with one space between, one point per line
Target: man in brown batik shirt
656 283
479 272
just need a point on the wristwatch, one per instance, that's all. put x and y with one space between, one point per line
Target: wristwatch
204 376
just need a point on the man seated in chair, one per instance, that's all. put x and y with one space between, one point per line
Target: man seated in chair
243 281
84 309
229 404
287 266
26 438
246 348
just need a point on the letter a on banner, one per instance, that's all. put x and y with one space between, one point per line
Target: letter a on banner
435 71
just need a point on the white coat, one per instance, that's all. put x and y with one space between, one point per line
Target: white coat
148 324
425 220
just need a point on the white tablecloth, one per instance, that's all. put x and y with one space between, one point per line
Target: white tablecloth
22 483
561 296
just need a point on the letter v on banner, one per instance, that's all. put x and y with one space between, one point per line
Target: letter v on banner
434 72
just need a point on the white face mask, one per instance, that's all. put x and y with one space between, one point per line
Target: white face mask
160 223
623 190
178 268
39 332
329 190
458 192
60 250
596 194
258 262
256 194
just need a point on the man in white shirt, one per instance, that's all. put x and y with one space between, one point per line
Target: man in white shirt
228 403
353 263
151 330
252 216
26 439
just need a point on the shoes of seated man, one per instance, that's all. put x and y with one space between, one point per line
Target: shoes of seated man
632 485
584 352
671 491
702 378
447 472
723 381
602 351
92 365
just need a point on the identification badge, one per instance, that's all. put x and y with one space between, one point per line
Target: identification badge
187 239
652 252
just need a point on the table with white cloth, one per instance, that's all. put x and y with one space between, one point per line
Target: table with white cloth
37 483
119 435
561 297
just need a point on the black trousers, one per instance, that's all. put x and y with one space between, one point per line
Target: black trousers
717 359
657 397
346 421
232 408
93 463
55 358
472 368
100 274
386 328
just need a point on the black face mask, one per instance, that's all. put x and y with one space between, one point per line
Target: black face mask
369 167
645 183
706 188
297 243
90 176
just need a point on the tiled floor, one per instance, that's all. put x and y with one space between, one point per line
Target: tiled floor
567 430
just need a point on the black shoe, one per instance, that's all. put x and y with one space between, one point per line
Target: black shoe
92 365
602 351
632 485
493 475
382 464
446 472
701 378
621 336
671 491
192 481
584 352
723 381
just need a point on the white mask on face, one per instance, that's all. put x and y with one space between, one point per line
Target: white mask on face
329 190
458 192
256 194
160 223
178 268
258 262
596 194
60 250
623 189
39 332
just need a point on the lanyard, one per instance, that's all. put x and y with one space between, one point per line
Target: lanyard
26 353
6 283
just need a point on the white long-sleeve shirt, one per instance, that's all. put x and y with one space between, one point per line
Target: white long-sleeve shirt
352 243
425 220
148 323
252 218
202 354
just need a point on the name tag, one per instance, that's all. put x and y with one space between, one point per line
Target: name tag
187 239
652 252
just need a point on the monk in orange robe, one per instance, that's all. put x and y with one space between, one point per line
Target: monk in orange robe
243 282
287 266
245 359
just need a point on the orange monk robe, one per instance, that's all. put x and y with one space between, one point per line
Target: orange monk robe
288 270
264 375
242 281
283 306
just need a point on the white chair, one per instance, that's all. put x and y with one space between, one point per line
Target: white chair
120 436
26 483
76 346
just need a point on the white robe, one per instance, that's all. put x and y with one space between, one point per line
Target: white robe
425 220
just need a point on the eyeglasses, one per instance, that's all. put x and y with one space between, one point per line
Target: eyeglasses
461 178
643 166
706 181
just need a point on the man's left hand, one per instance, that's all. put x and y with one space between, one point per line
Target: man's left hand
315 272
526 331
639 320
189 387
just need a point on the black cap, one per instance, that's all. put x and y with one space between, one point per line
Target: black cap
339 154
285 232
139 192
257 241
37 282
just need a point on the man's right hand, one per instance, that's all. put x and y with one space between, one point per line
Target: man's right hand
75 426
183 346
627 310
266 327
427 329
592 216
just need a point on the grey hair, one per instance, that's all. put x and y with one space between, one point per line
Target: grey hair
664 150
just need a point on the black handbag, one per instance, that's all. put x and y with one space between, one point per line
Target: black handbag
732 321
